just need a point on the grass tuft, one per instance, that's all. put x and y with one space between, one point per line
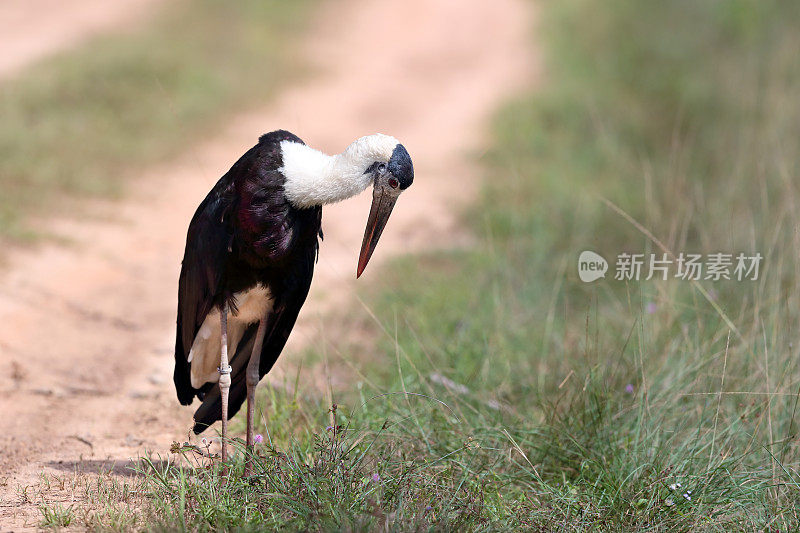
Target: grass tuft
338 478
56 516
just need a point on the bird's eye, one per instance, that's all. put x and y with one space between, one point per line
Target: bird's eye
393 183
382 167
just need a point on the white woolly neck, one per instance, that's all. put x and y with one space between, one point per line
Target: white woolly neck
314 178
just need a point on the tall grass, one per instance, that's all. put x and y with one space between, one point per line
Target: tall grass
668 120
502 393
82 123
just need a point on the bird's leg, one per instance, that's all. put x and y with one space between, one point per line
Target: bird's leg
224 380
252 378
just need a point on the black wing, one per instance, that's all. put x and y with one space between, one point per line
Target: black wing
244 233
204 281
281 320
208 243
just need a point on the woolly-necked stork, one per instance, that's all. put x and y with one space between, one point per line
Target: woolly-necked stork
249 259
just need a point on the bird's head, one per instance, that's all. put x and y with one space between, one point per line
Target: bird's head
312 178
391 175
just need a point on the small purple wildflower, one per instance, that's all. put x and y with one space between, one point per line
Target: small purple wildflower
258 439
428 508
629 388
376 477
651 308
329 428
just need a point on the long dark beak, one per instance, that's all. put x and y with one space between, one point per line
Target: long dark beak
382 205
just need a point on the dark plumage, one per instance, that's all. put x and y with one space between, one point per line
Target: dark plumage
243 234
249 259
401 167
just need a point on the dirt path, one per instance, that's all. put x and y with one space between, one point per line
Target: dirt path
87 327
32 29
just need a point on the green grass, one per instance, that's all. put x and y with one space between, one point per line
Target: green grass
82 123
678 113
56 516
496 395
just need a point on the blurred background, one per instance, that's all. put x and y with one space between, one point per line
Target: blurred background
470 380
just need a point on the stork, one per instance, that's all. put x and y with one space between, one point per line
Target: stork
249 258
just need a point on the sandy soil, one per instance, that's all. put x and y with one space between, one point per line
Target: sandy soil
33 29
87 326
